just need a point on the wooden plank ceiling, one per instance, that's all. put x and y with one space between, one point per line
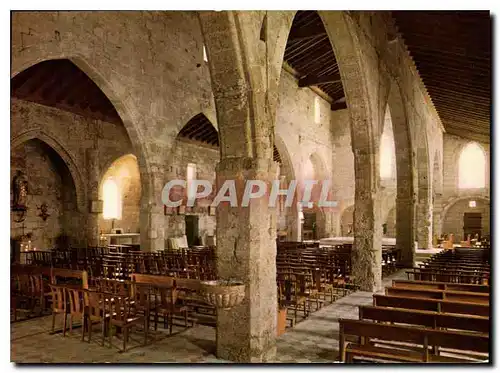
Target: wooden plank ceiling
310 55
452 52
200 130
61 84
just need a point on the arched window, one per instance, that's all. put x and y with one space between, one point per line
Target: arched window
472 167
317 110
387 154
112 208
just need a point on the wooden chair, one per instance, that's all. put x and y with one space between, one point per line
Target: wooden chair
97 309
168 307
123 316
58 305
76 308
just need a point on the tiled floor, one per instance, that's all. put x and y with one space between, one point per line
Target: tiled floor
314 340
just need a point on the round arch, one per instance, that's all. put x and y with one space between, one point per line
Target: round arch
286 159
63 154
452 215
454 201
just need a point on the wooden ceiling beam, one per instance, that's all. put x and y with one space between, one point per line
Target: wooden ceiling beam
432 80
441 92
304 33
466 124
315 80
468 135
205 130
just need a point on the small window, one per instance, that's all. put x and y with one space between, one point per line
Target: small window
112 204
190 176
472 167
205 57
317 110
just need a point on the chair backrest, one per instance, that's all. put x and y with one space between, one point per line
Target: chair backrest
168 297
96 303
75 300
58 298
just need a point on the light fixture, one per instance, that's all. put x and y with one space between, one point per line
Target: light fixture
472 204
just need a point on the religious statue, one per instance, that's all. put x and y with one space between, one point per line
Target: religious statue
20 190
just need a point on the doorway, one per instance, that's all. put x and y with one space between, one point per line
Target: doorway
472 224
192 233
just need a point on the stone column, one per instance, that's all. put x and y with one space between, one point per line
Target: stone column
246 251
424 222
367 249
175 223
437 228
152 216
94 204
294 224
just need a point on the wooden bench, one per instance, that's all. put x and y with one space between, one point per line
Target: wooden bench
429 319
452 295
446 276
426 304
441 285
424 337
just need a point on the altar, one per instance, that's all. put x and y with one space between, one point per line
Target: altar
120 239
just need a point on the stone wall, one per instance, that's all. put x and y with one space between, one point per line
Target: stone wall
205 157
454 202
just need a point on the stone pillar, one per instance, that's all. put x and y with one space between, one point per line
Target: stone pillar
294 224
405 238
152 216
424 223
367 222
94 204
437 210
246 251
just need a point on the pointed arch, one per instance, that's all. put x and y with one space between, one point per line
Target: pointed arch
68 160
121 101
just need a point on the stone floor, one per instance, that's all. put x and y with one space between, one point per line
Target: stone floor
314 340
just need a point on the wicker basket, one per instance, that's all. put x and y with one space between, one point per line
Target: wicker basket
223 294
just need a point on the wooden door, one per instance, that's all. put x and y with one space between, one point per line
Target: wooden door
472 224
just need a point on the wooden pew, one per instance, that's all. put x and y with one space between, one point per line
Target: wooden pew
436 305
425 337
441 285
446 276
451 295
429 319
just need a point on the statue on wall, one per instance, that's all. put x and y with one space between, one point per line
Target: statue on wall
20 190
